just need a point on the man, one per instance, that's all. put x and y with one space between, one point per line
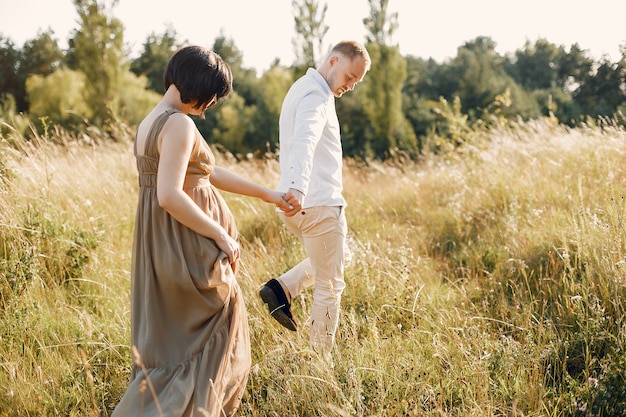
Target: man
311 177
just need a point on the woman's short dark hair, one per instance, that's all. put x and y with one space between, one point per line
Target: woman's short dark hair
199 74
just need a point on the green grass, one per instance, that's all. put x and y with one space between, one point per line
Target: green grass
488 282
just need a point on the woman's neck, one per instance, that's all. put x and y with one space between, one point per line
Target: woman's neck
171 100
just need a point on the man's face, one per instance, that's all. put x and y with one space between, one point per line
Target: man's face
344 74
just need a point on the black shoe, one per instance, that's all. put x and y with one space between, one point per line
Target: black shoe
273 295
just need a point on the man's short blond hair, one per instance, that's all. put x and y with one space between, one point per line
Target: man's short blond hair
352 49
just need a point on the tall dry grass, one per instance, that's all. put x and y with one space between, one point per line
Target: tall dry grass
488 282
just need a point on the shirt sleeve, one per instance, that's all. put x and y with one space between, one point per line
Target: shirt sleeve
310 121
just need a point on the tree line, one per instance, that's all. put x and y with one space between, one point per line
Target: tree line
406 105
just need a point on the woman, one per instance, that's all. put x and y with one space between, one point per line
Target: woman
189 325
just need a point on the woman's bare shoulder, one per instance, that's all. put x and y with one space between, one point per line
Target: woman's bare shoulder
179 125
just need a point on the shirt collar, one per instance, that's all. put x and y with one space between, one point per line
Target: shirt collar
312 72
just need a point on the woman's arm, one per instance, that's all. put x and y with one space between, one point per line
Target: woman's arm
231 182
177 141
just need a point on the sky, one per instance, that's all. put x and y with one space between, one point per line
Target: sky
263 30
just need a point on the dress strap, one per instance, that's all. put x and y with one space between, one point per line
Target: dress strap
151 148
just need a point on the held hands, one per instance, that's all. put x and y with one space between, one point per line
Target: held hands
278 199
294 198
289 203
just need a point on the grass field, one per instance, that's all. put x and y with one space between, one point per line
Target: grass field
486 282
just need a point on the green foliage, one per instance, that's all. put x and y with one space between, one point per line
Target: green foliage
245 80
392 115
97 50
59 97
46 252
478 74
355 125
135 100
9 58
452 128
231 121
604 92
14 128
151 63
251 129
383 90
552 75
7 107
309 24
537 65
273 86
383 87
241 124
380 25
39 56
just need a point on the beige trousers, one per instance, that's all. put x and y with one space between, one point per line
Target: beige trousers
322 231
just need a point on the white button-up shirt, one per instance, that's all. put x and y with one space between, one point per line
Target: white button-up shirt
310 142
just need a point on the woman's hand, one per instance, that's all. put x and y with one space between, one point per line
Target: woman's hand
229 246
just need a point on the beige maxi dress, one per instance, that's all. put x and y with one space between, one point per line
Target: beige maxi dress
189 321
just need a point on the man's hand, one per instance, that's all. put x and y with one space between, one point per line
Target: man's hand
294 198
278 199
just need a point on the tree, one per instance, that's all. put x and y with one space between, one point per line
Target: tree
575 67
421 92
551 75
234 123
249 127
354 125
383 86
603 92
537 65
135 100
477 76
97 50
380 25
151 63
9 63
309 20
230 125
39 56
263 132
58 97
230 53
244 79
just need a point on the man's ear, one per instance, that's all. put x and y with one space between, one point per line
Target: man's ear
333 60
